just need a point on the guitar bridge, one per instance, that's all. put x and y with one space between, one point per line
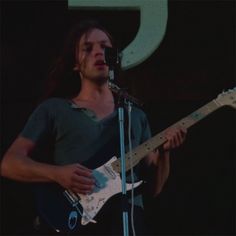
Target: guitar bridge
71 197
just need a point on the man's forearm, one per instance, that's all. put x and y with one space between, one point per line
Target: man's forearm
25 169
158 168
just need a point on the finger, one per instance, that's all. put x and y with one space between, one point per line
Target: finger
182 131
156 151
178 138
167 145
172 141
77 190
171 137
83 167
82 187
83 180
182 135
85 173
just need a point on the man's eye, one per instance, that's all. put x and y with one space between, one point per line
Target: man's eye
104 46
87 49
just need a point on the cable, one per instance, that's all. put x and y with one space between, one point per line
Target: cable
131 164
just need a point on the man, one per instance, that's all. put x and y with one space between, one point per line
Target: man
80 124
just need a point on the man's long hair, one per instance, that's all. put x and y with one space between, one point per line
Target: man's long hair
63 80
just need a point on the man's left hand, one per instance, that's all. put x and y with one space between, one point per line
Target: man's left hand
175 137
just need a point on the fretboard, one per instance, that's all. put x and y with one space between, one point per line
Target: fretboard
159 139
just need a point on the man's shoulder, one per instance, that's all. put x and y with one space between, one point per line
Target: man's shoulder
53 103
138 112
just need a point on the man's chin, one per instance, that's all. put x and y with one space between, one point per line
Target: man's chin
99 80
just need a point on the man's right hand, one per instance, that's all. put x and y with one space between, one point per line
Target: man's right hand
76 178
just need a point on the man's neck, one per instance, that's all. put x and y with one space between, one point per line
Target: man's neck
92 92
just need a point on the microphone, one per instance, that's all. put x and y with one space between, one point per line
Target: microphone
111 56
111 59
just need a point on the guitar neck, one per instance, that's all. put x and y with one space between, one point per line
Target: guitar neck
138 153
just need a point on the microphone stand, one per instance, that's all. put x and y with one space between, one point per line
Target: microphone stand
124 199
123 96
121 92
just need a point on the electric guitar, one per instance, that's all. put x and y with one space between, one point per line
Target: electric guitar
66 211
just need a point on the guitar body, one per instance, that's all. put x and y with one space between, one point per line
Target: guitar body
54 208
68 212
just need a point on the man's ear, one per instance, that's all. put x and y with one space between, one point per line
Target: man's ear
77 64
76 67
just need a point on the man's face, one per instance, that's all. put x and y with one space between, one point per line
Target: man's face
90 55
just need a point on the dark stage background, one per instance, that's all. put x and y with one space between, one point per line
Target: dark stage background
193 64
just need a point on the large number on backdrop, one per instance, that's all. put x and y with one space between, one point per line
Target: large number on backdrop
153 20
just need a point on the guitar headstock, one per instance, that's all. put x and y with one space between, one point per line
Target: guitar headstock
227 98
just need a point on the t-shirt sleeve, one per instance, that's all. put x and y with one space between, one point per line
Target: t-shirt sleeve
39 124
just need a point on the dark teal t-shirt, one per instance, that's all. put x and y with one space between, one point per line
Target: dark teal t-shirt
77 136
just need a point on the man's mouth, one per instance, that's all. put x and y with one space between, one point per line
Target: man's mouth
100 63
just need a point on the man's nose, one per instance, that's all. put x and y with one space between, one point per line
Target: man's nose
98 50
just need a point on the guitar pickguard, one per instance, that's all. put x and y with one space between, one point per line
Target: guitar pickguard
108 183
